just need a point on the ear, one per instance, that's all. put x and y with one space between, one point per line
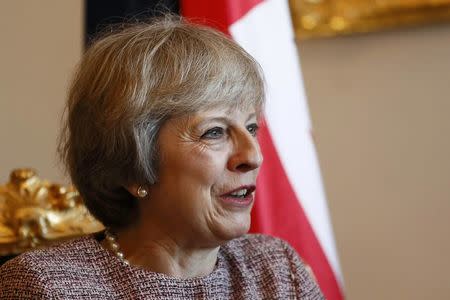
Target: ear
133 189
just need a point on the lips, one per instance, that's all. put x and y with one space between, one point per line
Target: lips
239 197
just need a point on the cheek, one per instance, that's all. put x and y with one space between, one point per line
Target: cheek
206 168
195 181
194 168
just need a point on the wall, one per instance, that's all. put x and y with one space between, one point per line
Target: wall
380 110
41 43
380 105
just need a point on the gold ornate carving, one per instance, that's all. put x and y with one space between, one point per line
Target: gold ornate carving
321 18
35 212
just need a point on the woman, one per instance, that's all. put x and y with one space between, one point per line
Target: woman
161 142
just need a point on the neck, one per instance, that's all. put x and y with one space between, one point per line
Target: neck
162 253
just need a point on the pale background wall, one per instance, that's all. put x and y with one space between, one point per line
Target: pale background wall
380 112
380 106
41 41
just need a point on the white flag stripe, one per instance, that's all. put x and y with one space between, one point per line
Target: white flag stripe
287 115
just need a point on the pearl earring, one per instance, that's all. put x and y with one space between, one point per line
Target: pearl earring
142 192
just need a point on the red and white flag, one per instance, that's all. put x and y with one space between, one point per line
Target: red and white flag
290 200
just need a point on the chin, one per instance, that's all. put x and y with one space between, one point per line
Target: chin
233 228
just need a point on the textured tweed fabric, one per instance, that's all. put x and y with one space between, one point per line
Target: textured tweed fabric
251 267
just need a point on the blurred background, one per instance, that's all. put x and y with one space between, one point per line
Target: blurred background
380 106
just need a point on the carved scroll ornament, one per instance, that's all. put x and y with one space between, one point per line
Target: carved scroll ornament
35 213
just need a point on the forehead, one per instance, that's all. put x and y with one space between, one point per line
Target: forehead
226 112
231 108
220 113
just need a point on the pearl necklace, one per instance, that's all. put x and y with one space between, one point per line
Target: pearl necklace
111 239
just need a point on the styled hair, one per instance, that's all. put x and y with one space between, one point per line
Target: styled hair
128 83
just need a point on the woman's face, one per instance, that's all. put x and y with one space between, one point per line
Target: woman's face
206 177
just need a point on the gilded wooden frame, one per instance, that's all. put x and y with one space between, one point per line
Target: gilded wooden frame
322 18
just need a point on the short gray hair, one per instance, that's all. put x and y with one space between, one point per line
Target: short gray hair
128 83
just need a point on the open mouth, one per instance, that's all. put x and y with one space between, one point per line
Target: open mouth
240 196
242 193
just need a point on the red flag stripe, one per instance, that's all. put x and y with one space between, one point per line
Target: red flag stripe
278 212
219 14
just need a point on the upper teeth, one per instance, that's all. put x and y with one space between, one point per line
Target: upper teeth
239 193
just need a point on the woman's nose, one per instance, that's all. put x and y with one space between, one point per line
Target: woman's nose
246 155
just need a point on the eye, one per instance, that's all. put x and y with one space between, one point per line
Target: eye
253 129
214 133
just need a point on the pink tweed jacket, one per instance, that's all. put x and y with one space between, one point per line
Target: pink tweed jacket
251 267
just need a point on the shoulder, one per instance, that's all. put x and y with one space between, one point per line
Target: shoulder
257 256
272 262
260 254
31 275
19 278
259 244
69 253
